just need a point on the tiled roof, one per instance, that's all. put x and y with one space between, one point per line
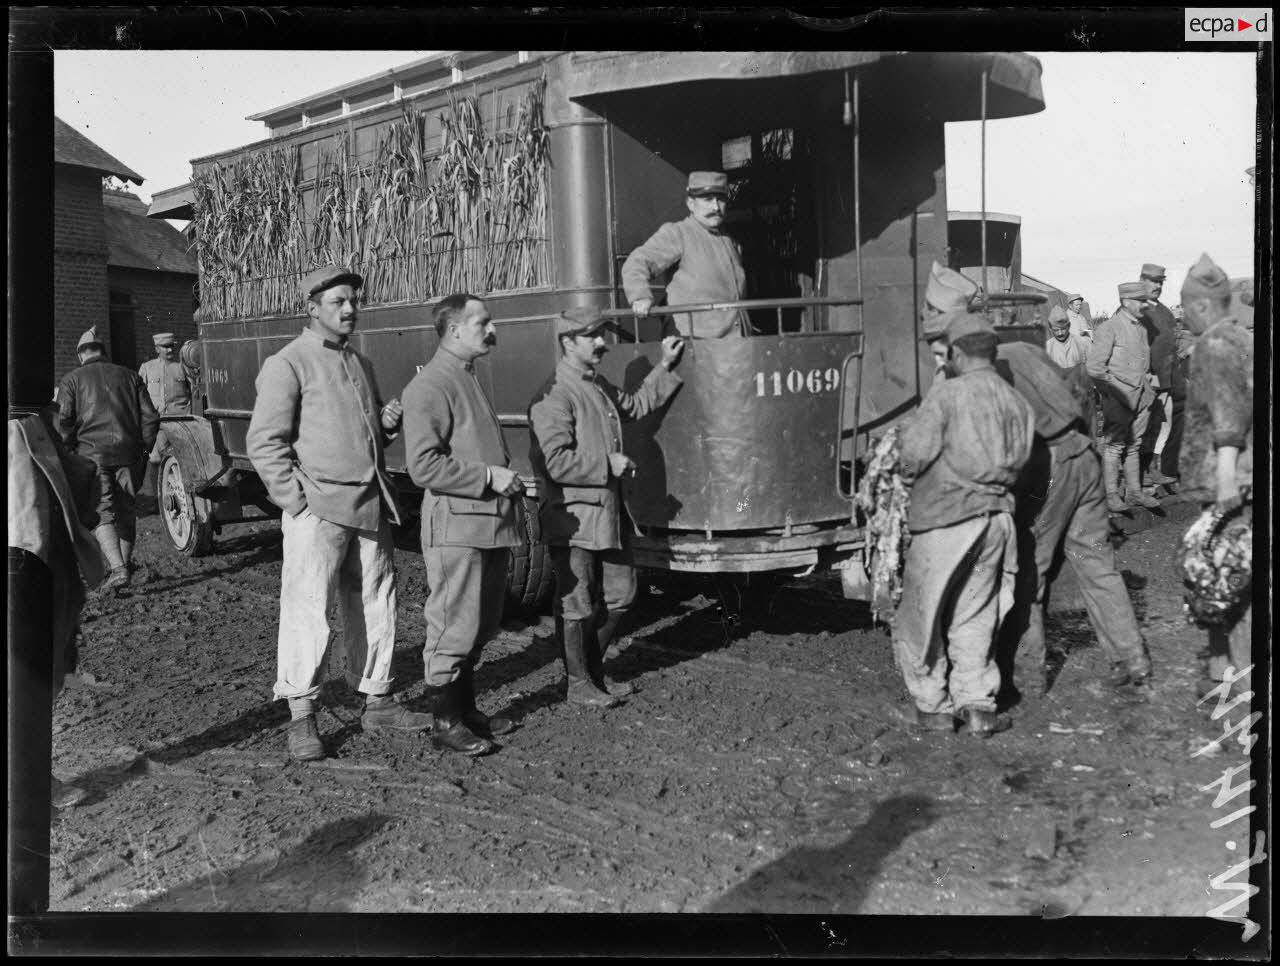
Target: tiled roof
73 148
136 241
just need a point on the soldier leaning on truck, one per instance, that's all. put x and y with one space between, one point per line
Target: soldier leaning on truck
168 386
710 263
316 439
576 427
454 450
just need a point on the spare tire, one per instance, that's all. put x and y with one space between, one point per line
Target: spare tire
530 579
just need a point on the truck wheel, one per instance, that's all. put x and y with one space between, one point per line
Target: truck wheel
185 515
529 576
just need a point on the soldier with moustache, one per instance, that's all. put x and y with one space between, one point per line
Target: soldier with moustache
454 450
576 428
708 263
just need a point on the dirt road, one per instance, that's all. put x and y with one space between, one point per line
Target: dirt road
765 764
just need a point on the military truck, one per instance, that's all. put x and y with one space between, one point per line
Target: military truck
527 177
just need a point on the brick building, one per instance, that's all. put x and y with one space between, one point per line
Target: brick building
113 267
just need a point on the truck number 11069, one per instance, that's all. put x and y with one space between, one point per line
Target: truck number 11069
813 382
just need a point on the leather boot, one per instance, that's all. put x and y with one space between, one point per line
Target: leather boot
109 542
382 713
448 731
482 724
1133 483
605 631
581 689
1111 479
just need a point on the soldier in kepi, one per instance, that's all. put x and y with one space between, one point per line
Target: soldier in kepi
316 439
167 384
454 450
709 263
1119 362
1162 336
576 426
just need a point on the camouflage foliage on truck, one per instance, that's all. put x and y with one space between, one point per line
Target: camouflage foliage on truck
469 217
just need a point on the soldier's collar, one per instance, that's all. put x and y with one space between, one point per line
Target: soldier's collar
583 373
327 343
468 365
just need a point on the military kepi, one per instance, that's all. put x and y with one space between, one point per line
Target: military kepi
1134 290
581 321
164 338
328 277
1205 280
1153 272
704 183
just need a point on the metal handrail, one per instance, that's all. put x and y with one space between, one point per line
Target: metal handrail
778 304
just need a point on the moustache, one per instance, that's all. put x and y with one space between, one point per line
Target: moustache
599 352
490 340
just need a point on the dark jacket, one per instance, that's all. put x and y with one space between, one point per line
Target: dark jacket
1162 337
105 414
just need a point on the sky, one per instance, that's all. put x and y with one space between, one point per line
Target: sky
1137 157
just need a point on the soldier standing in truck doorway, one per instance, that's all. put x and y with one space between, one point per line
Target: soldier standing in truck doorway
316 440
709 263
454 450
576 427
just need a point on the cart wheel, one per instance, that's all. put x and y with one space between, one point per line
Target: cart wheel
185 515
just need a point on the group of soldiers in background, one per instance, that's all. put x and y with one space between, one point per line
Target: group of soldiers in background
1006 480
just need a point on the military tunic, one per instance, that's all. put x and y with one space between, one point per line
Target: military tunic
965 449
575 423
710 270
452 437
170 393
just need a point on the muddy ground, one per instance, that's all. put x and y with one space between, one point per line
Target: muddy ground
766 763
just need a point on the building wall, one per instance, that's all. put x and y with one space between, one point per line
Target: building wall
79 263
160 302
